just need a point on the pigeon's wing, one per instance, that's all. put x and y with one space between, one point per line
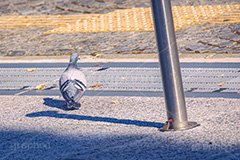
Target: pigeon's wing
72 85
80 79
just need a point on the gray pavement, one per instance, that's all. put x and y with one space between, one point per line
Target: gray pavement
37 127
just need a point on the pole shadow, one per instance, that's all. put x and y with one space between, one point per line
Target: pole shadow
26 144
95 119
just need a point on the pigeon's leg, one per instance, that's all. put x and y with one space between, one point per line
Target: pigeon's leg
73 106
65 105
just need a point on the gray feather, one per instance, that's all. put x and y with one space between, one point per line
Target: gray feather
72 84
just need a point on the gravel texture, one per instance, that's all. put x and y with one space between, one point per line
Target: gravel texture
222 38
37 7
37 127
205 38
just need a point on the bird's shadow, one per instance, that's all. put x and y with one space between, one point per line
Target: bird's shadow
55 103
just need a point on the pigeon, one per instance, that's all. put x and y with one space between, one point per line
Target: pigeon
72 84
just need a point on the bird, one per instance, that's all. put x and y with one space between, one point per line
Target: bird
72 84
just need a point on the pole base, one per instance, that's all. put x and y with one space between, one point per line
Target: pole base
189 126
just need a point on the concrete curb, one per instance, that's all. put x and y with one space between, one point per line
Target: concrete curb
185 58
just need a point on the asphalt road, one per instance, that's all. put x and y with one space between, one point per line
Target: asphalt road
123 79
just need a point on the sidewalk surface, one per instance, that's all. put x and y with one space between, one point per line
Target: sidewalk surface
37 127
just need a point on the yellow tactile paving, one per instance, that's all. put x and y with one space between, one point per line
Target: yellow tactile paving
125 20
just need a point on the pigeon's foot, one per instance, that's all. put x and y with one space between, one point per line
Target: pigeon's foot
73 106
70 109
64 107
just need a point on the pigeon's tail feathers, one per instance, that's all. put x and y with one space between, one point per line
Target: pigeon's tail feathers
69 83
80 85
64 86
72 95
73 105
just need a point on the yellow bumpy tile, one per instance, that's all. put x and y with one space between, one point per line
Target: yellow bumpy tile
125 20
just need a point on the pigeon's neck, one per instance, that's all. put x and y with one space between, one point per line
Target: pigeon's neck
72 65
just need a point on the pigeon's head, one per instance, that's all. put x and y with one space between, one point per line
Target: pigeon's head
74 58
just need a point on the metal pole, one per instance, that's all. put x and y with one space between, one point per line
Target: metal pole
170 67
